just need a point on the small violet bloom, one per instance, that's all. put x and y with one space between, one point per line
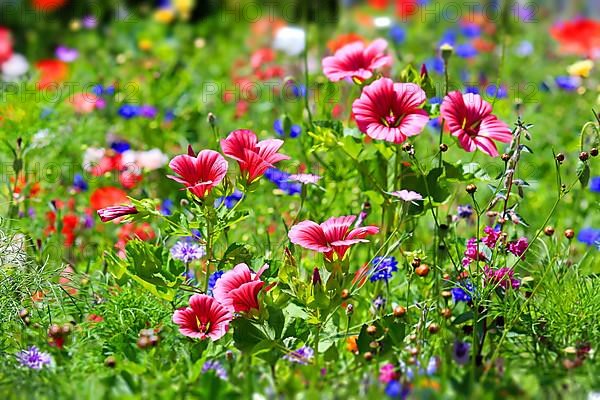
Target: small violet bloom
304 355
33 358
186 251
383 268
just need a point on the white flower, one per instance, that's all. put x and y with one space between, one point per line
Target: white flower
407 195
152 159
15 66
92 157
382 22
290 40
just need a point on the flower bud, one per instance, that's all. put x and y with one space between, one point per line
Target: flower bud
583 156
569 233
316 277
560 157
422 270
110 362
549 230
471 188
399 311
368 356
594 151
443 147
446 50
371 330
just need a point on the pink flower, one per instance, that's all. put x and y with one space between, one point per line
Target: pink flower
387 373
204 318
84 103
470 119
114 212
472 254
332 236
253 157
390 111
238 289
356 62
199 173
518 247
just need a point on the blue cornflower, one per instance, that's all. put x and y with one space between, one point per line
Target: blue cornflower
465 50
166 207
524 48
129 111
169 115
281 180
187 251
230 200
212 280
472 89
462 293
595 184
295 130
97 90
471 31
398 34
589 236
491 90
449 37
396 390
33 358
379 302
464 211
435 64
120 146
435 100
435 123
383 268
79 183
299 90
568 83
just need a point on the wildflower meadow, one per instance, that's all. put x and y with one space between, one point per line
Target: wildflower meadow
334 199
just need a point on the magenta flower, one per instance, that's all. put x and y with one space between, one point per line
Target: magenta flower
503 277
114 212
355 61
238 289
470 119
472 253
491 237
199 173
390 111
333 236
253 157
518 246
388 373
204 318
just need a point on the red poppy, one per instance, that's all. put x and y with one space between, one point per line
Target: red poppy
52 72
47 5
581 36
108 196
5 45
379 4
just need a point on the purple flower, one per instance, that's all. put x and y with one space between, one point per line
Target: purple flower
186 251
281 179
379 302
89 22
214 365
148 111
464 211
33 358
230 200
212 280
499 92
303 355
460 352
79 183
396 390
66 54
465 50
491 238
128 111
471 253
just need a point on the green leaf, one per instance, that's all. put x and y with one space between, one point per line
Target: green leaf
583 173
246 334
464 317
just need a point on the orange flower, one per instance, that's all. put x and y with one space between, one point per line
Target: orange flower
341 40
351 344
482 45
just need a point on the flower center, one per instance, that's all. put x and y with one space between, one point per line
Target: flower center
202 326
473 129
391 121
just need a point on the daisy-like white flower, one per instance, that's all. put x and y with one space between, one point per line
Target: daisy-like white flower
305 179
407 195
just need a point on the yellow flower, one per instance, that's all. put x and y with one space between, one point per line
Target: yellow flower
183 7
581 68
164 15
145 44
